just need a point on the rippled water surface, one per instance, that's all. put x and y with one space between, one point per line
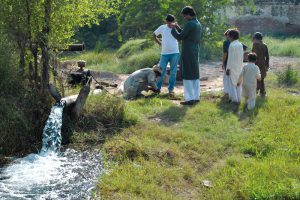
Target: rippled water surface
69 175
51 174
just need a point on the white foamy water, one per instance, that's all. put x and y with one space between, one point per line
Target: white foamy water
51 174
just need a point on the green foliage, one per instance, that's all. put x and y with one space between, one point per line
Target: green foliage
66 16
9 80
283 46
288 77
133 55
134 47
173 149
141 18
144 59
104 114
14 125
278 46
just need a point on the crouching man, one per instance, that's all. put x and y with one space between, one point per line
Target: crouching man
141 80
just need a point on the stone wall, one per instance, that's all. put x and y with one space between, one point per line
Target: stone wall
270 16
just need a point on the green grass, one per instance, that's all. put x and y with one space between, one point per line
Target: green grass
288 77
283 47
142 53
277 46
172 149
134 47
133 55
101 61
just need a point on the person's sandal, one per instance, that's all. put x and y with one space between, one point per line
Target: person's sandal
187 103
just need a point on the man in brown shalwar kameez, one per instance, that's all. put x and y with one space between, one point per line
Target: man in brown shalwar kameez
262 62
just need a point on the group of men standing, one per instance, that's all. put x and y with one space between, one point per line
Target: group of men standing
245 80
170 34
234 75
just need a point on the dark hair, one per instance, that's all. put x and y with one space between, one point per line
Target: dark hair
170 18
234 34
258 36
252 57
226 32
188 10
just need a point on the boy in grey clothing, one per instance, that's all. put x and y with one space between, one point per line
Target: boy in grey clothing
248 78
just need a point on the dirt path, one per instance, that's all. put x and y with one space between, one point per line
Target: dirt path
210 72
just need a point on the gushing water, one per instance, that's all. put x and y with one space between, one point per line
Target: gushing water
52 130
51 174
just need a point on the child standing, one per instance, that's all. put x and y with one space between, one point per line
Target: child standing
262 61
249 77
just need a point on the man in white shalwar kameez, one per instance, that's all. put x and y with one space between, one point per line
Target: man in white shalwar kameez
249 76
234 66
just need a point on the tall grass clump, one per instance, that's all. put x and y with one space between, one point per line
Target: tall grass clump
101 61
134 47
145 59
104 114
288 77
278 46
283 46
211 51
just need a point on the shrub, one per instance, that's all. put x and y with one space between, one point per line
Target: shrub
133 47
283 46
104 112
147 58
288 77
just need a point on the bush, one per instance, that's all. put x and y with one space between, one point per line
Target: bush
211 51
278 46
288 77
9 79
106 112
133 47
14 127
145 59
283 46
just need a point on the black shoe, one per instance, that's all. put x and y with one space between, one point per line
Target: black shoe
196 101
187 103
262 95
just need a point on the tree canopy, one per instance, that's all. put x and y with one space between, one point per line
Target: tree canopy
41 25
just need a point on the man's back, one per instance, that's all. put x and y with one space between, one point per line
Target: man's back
139 76
169 43
262 53
235 60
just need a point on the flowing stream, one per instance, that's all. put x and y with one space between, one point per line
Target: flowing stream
51 174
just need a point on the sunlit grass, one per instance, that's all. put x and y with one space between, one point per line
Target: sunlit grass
277 46
172 149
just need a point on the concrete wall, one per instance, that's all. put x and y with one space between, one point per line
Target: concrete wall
270 16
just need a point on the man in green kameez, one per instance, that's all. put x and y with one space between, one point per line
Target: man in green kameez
190 37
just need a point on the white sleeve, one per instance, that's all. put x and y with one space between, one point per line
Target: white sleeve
230 56
158 31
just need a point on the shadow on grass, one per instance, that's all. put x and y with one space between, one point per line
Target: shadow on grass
171 116
240 110
225 106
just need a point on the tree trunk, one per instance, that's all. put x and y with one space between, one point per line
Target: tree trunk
34 52
44 45
22 57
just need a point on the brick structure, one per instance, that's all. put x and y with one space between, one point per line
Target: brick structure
281 17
